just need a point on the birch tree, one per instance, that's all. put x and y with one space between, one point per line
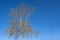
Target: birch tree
19 26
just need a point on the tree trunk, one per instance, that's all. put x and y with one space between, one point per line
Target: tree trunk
21 28
21 38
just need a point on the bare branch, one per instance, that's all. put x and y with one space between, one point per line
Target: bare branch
30 10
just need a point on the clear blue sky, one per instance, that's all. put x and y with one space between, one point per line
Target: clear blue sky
46 17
